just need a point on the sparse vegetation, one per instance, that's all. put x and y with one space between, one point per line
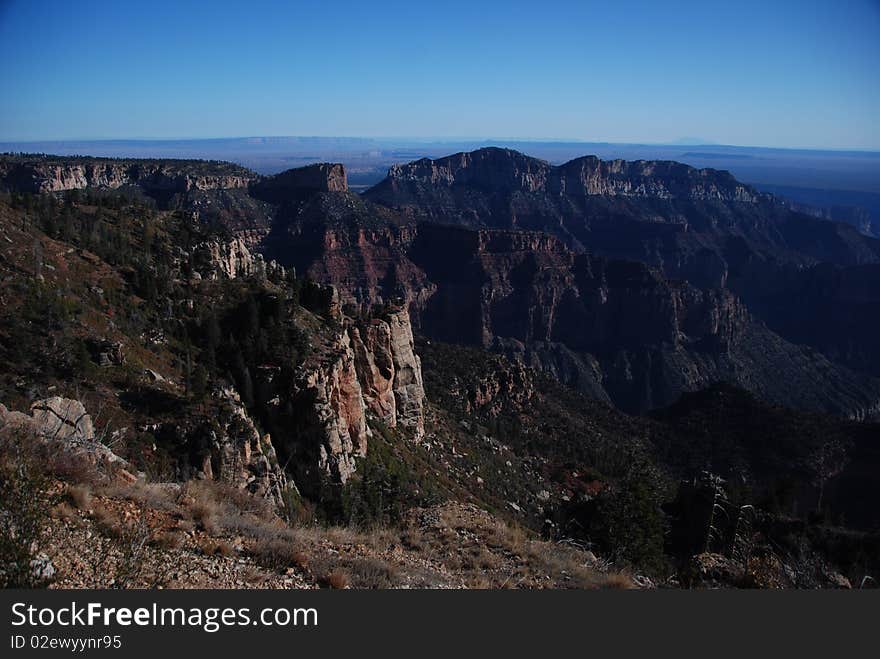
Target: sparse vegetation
24 509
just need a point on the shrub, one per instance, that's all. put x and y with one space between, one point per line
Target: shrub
81 496
627 521
71 467
24 510
217 548
167 540
337 579
277 553
372 573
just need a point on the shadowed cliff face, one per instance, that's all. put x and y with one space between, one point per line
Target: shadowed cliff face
507 171
612 327
692 223
300 183
701 226
616 330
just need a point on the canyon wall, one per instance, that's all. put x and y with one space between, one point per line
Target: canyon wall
360 370
50 175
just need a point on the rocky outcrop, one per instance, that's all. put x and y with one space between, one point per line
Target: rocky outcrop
216 259
240 455
300 183
64 419
409 391
332 419
320 177
64 422
106 352
503 169
390 372
231 259
356 371
511 384
376 369
46 174
226 447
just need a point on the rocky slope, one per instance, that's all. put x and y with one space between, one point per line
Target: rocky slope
389 371
356 372
186 414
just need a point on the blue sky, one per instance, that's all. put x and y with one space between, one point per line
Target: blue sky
771 73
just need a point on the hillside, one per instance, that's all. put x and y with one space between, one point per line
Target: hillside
342 391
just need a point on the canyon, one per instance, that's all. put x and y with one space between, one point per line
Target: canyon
631 281
559 345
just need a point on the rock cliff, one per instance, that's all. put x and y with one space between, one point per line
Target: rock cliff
332 424
628 279
494 169
302 182
390 372
47 174
409 392
360 369
617 330
697 224
238 454
230 259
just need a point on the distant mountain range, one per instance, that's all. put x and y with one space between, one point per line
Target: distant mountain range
842 184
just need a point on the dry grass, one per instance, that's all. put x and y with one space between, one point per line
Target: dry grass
337 579
167 540
488 553
80 496
72 467
64 511
205 515
450 545
158 496
372 573
278 553
108 523
211 547
252 576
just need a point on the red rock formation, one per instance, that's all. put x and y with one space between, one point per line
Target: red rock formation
375 367
390 372
335 420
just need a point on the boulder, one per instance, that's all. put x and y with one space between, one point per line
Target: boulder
64 422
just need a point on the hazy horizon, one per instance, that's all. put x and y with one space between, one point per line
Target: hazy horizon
433 139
